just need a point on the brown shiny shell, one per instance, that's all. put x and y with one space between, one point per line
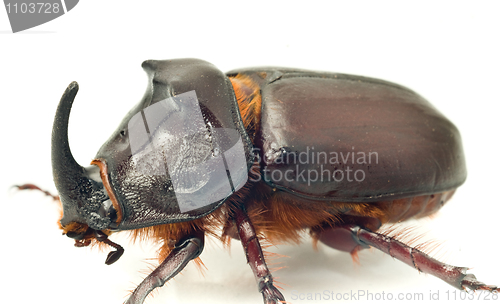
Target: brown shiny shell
326 136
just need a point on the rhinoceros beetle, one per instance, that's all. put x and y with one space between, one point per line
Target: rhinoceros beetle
261 153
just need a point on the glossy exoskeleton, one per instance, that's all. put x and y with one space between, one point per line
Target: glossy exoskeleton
261 153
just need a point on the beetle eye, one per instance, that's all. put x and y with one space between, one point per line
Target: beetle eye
122 133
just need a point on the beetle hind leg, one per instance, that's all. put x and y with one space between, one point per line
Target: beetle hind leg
356 237
255 258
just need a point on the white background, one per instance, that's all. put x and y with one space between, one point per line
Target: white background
448 52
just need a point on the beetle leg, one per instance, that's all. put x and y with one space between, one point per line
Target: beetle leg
453 275
256 260
35 187
187 249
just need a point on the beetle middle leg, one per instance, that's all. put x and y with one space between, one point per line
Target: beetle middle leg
187 249
255 258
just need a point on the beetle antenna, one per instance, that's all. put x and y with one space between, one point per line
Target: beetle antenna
113 256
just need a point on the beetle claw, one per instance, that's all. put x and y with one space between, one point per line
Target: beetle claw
470 282
272 295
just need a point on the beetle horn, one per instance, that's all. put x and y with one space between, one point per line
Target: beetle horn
63 163
80 189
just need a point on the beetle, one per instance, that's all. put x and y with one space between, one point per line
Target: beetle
261 153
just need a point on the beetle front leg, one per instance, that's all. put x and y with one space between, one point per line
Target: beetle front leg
35 187
256 260
187 249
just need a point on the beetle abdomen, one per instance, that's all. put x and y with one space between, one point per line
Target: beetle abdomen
280 216
403 209
346 138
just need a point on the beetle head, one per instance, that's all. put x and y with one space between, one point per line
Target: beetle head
176 156
83 197
87 209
